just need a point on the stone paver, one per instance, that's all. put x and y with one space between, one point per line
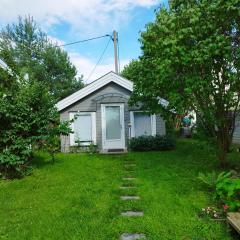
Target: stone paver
130 198
130 165
132 214
234 219
129 178
127 187
132 236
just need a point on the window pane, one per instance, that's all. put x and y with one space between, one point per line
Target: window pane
113 126
142 124
83 128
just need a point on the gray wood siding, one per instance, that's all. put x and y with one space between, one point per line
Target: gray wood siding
236 134
112 93
160 125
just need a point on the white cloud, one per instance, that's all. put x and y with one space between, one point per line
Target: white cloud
85 66
84 17
87 15
56 41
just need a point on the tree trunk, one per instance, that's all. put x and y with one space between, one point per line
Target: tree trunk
223 149
222 156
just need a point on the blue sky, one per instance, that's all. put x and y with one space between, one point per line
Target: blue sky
73 20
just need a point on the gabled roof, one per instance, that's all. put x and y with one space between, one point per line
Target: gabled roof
92 87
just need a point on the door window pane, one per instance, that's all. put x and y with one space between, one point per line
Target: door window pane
83 128
113 126
142 124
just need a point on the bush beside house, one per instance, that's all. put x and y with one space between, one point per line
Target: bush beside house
152 143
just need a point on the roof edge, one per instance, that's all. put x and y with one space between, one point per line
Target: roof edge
94 86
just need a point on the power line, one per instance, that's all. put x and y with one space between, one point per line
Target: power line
85 40
99 60
111 37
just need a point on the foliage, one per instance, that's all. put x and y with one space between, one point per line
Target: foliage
80 148
22 115
37 74
29 52
132 70
209 179
152 143
228 190
92 148
27 117
191 58
50 140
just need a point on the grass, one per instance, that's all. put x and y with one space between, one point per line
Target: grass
78 197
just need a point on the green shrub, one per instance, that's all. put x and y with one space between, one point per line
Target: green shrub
226 186
152 143
209 179
228 190
79 148
27 118
92 148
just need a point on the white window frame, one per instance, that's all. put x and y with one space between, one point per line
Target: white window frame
153 123
94 133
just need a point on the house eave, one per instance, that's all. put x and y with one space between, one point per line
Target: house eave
94 86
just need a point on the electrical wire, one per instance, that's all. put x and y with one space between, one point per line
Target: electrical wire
99 60
101 56
85 40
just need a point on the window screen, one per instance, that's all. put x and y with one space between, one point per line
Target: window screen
142 124
83 128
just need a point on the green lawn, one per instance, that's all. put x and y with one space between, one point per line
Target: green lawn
78 197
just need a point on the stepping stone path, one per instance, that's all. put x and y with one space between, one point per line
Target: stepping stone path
129 169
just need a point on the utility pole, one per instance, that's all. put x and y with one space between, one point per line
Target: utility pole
115 42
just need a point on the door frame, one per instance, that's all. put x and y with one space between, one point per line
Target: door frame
103 120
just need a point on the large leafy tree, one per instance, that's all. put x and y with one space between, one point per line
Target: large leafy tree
28 51
36 74
191 57
132 71
28 118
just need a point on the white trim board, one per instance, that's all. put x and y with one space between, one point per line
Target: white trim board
92 87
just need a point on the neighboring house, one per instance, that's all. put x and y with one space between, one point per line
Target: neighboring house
103 116
236 134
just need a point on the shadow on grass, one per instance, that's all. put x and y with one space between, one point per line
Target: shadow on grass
42 159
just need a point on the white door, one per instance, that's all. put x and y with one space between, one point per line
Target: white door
113 136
